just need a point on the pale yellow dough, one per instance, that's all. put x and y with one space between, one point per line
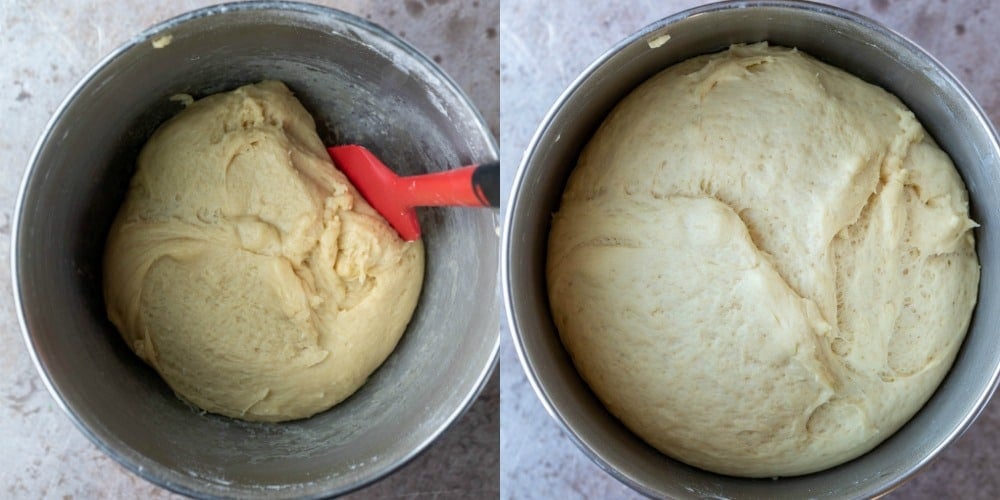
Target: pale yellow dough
762 265
246 270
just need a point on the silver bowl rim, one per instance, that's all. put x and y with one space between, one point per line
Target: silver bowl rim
448 84
517 187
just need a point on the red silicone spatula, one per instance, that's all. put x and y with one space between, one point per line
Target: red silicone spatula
395 197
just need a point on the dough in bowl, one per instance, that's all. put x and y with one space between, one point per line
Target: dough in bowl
762 265
247 270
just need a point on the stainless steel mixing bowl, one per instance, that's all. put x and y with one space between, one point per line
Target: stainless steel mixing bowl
845 40
363 85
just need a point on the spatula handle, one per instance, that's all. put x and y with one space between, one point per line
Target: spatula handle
486 183
471 186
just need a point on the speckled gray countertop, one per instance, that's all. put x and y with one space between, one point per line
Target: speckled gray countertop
543 47
46 47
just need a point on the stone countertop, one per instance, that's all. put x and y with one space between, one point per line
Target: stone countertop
47 47
544 46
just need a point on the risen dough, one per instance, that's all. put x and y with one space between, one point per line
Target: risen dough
246 270
762 265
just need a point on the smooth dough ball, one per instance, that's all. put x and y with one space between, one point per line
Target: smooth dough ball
762 265
247 270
